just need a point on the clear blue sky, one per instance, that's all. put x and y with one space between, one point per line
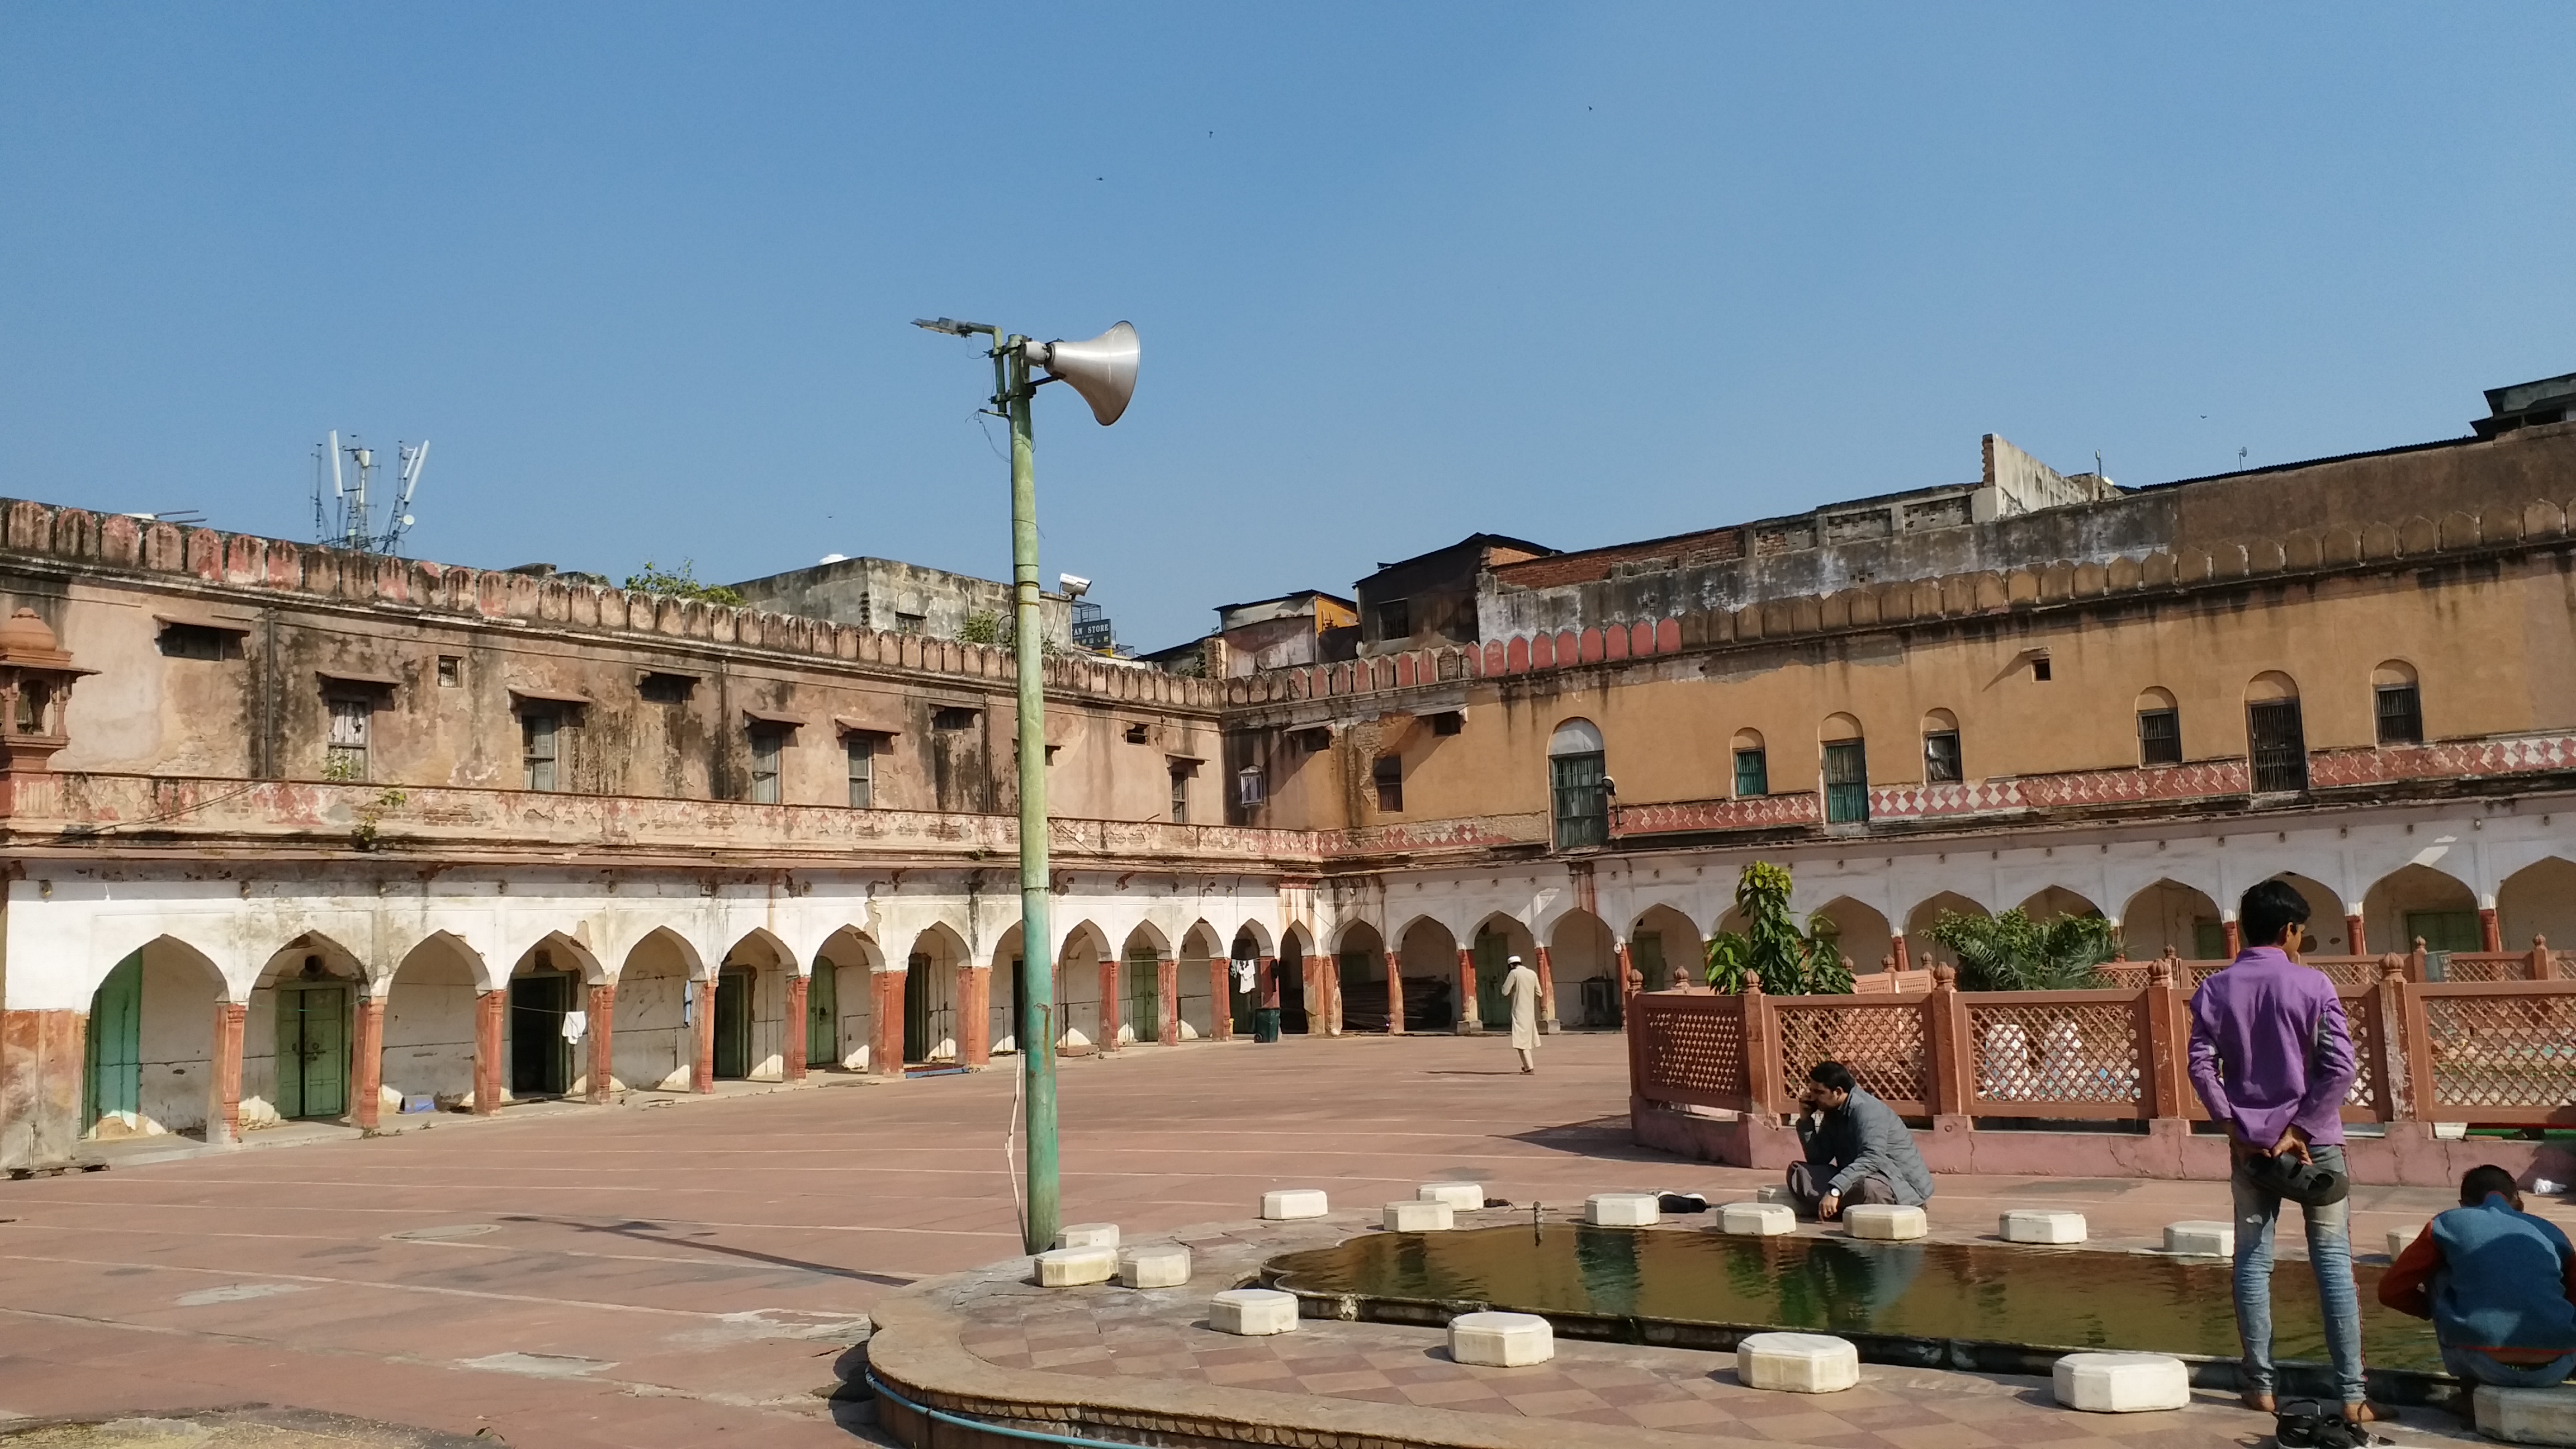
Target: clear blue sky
1578 273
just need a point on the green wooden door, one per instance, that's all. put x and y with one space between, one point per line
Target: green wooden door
733 1024
312 1050
823 1016
114 1081
917 1040
1493 1008
1647 954
1144 1010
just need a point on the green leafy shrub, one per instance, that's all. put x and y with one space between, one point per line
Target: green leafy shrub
1772 949
2012 952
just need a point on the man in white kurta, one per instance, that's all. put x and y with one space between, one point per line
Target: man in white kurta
1520 988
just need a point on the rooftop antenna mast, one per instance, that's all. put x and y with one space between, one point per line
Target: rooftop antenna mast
354 527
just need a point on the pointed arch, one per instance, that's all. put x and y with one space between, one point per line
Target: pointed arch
1259 936
933 994
299 1034
750 1006
1665 946
1202 947
2167 915
1003 1008
2422 902
2538 900
1861 935
1923 951
1583 954
150 1067
1292 976
2325 928
2055 902
429 1022
655 1044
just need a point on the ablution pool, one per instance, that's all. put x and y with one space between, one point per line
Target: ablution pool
1959 1305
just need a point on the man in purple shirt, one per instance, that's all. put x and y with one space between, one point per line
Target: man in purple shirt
2272 1060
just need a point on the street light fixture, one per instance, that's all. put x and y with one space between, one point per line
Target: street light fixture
1103 371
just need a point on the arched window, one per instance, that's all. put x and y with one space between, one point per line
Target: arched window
1578 785
2397 703
1752 766
2159 729
1846 772
2275 739
1941 763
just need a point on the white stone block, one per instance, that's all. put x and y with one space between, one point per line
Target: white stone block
2200 1239
2121 1383
1419 1217
1073 1267
1501 1340
1756 1219
1253 1312
1293 1202
1158 1265
2400 1239
2527 1416
1796 1363
1088 1235
2040 1225
1464 1196
1623 1209
1886 1221
2450 1131
1777 1192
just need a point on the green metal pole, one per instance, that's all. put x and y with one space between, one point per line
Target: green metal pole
1037 957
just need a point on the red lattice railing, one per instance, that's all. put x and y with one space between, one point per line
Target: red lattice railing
1690 1048
2077 1054
1882 1043
2499 1053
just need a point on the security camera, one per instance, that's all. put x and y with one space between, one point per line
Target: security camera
1074 585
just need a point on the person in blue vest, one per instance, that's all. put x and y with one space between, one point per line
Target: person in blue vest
2498 1283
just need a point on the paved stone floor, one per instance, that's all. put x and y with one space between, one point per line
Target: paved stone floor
687 1272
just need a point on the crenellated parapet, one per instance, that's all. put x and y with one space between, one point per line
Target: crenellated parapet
77 540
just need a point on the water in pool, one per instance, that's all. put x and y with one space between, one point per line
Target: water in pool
2050 1298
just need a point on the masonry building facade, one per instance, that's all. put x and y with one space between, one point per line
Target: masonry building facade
293 832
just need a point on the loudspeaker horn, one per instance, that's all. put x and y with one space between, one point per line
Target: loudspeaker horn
1103 370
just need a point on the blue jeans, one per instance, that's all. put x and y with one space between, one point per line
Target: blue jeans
2472 1367
2329 1255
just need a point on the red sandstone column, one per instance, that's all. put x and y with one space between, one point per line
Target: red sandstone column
702 1070
1221 996
2490 930
602 1037
1630 983
792 1048
2235 939
1394 995
1109 1018
367 1064
2352 933
1899 960
1269 984
1546 992
223 1115
1328 969
1167 996
885 1034
975 1033
1467 1019
487 1051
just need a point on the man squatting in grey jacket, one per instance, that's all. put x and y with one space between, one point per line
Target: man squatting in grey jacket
1858 1151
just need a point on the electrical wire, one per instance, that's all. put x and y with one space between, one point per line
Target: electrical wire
1011 1139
